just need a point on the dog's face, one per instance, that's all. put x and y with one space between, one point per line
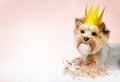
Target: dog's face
89 39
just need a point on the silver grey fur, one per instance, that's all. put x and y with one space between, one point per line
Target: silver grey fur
110 56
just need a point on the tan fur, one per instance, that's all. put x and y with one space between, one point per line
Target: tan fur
87 68
95 41
98 36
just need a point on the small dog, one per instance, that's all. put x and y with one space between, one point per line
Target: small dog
91 36
92 40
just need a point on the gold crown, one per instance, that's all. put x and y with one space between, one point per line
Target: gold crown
92 18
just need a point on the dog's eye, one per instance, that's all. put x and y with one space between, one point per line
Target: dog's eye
82 31
94 33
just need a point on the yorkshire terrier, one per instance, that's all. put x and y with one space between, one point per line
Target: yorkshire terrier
91 40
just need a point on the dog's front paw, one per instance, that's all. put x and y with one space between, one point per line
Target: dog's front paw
74 62
72 67
77 61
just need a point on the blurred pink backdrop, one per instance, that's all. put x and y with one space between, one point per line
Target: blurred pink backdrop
36 35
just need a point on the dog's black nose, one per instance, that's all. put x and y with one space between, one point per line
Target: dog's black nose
86 38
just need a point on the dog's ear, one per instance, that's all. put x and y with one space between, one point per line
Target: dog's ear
78 22
103 28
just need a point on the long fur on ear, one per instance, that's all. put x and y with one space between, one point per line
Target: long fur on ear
103 28
78 21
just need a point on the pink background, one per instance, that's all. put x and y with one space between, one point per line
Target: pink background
36 35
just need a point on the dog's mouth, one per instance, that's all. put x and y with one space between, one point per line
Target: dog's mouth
85 43
90 43
85 47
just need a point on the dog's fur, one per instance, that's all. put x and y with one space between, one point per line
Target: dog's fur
97 55
106 55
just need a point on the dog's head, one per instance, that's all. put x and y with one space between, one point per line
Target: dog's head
89 39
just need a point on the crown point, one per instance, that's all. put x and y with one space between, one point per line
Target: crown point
92 18
86 10
100 17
